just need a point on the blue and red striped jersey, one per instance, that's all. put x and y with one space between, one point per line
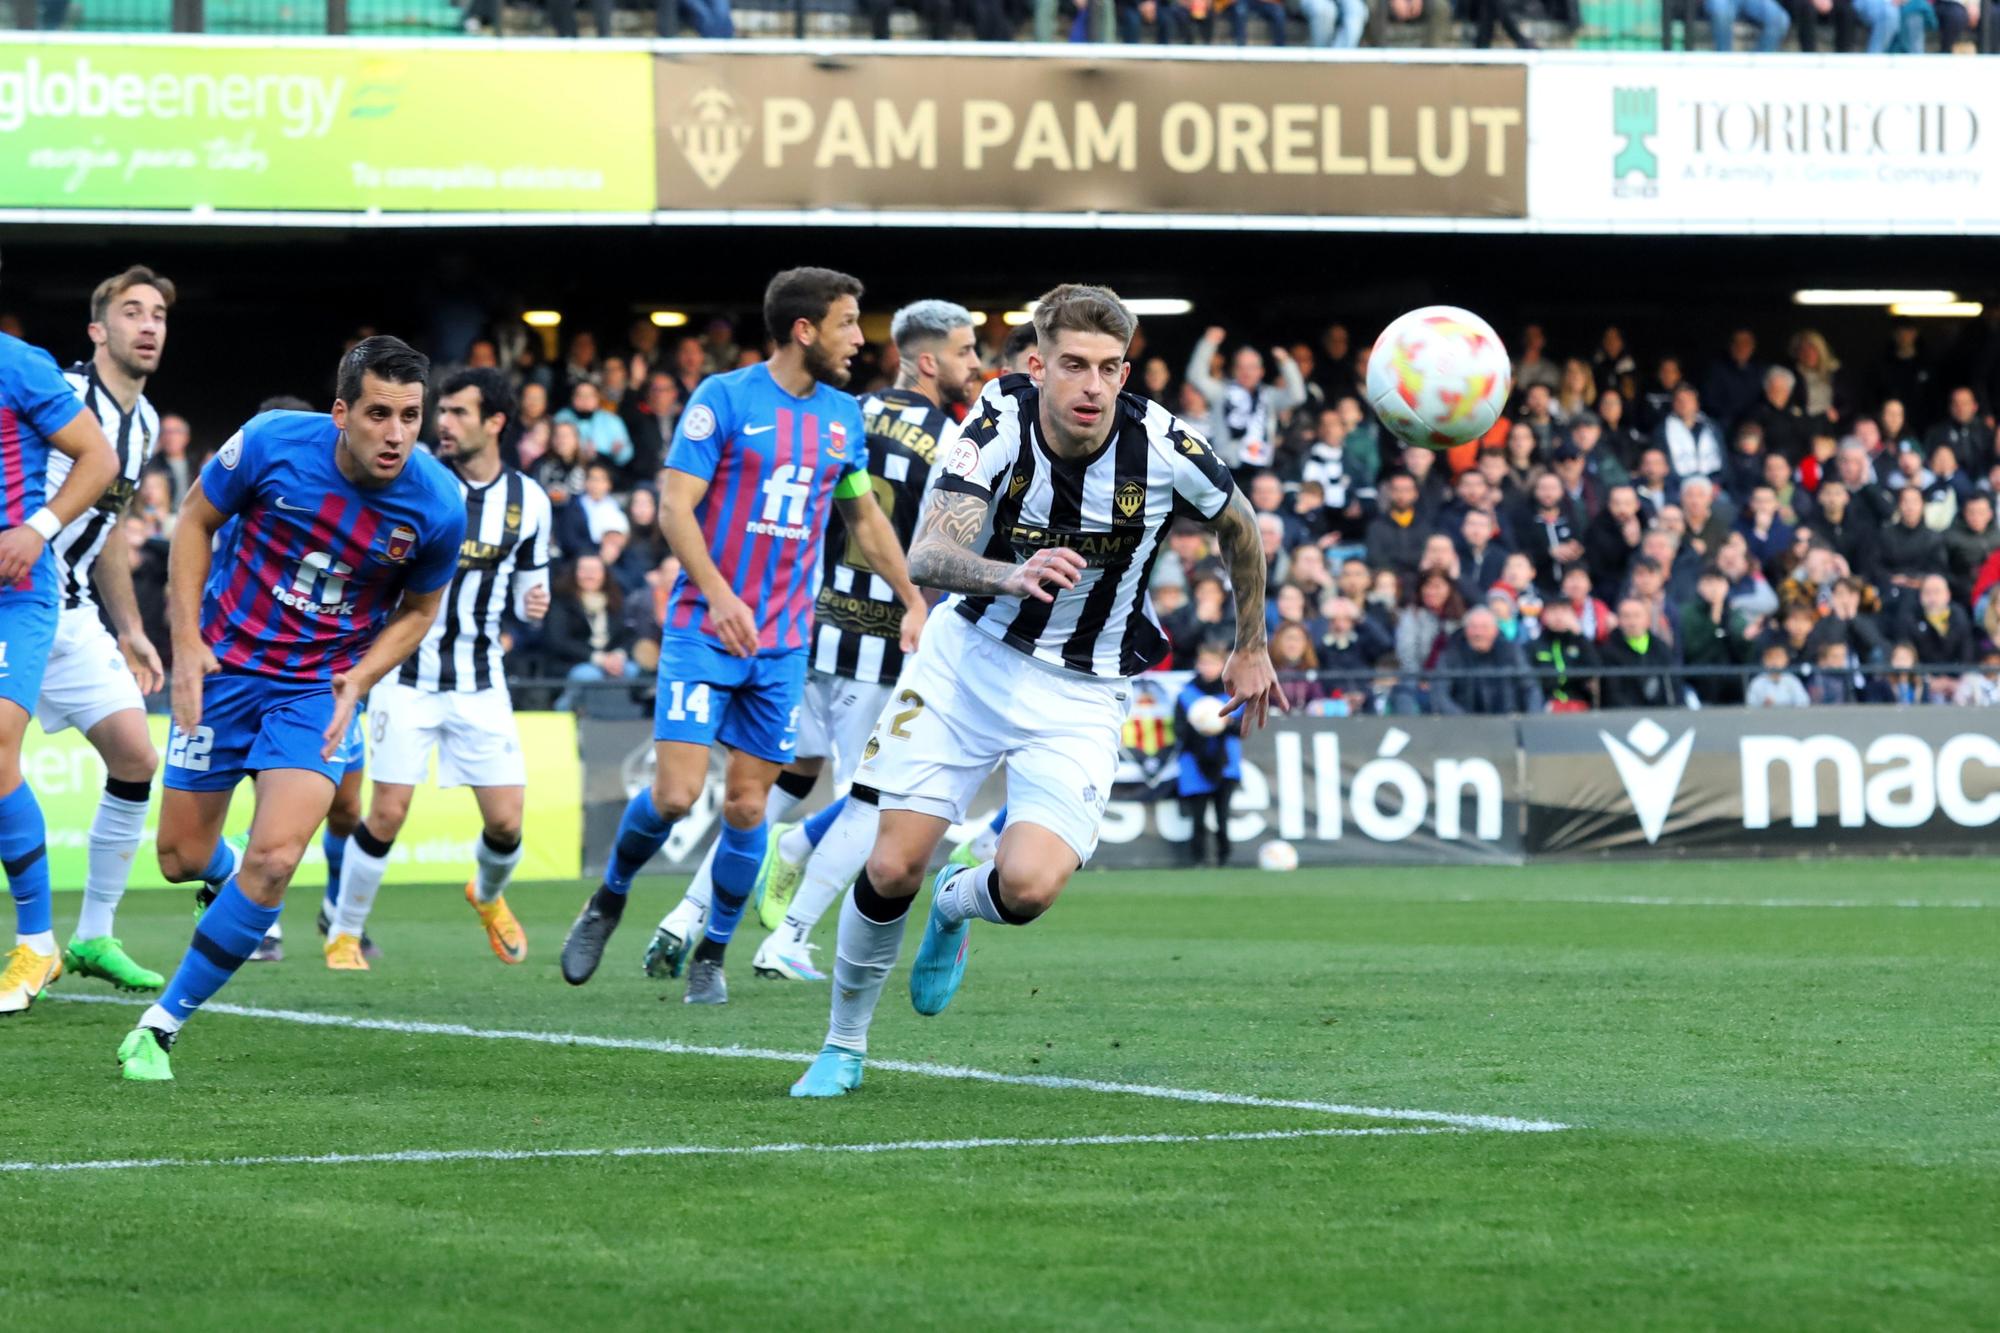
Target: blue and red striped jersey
310 565
773 463
35 402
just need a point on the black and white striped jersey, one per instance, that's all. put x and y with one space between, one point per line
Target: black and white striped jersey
1112 508
857 620
506 550
132 434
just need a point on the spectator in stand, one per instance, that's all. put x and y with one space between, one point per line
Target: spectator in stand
1711 636
1968 543
1346 479
1622 440
1909 471
1822 392
1583 490
1586 434
1643 663
1907 374
1433 491
1904 682
1647 583
1743 466
1818 464
170 454
1969 437
1779 415
155 504
1892 427
1612 363
1981 688
1749 591
1270 11
1432 616
1533 366
1397 535
1794 505
1776 686
1297 664
1350 644
1612 538
1481 557
1655 483
1489 675
1562 658
1910 552
1853 618
1869 500
690 366
1550 533
1766 534
1656 404
1594 620
560 470
1538 415
1677 564
1441 553
1267 496
1243 420
1576 393
1206 618
1833 678
1806 14
585 636
1938 626
1209 766
1947 489
1689 437
1277 564
1309 572
1813 579
1335 23
1709 517
1333 369
626 567
650 425
1735 378
581 524
601 432
642 511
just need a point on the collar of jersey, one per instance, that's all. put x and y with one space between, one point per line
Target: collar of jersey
1034 428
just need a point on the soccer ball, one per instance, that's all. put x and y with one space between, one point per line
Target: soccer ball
1205 716
1277 854
1438 377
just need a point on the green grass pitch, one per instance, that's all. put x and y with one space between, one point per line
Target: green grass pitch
1779 1081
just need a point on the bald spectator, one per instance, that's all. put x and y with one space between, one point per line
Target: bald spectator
1709 516
1780 416
1484 673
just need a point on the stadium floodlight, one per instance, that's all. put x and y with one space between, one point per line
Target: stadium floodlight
1937 309
1142 306
978 318
1016 318
668 319
1889 296
541 319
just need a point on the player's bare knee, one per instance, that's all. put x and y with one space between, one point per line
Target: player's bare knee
266 871
132 764
178 863
386 814
743 808
894 873
1032 890
342 818
672 799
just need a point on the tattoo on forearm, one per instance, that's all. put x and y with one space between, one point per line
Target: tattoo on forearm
1243 548
941 556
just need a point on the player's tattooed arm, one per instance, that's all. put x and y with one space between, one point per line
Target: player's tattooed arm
941 555
1250 678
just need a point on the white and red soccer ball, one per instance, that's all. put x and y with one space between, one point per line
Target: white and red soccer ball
1439 377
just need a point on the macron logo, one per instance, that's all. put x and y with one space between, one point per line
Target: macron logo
1651 779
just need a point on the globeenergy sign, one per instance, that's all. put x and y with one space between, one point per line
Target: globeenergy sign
337 128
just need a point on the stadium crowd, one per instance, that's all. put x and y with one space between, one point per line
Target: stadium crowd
1765 529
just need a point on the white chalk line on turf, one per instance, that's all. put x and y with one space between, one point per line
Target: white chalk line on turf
717 1150
1635 900
1495 1123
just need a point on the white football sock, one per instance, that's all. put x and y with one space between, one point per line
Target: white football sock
795 846
114 840
862 960
834 865
360 879
156 1017
42 942
494 870
973 895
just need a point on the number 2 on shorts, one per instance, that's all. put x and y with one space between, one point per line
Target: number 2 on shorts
898 723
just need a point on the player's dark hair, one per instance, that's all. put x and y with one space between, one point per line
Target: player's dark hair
1019 339
1077 308
118 284
804 293
385 358
496 396
283 402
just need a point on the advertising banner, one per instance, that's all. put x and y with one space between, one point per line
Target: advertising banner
1785 144
436 845
346 127
1763 782
879 131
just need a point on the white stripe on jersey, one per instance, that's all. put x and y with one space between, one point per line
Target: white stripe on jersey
77 546
507 534
1114 509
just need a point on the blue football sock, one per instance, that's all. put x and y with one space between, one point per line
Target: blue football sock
641 832
999 820
336 855
228 932
738 855
221 864
24 851
817 826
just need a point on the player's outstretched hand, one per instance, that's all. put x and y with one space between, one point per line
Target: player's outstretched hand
1045 573
914 616
735 625
346 697
20 548
144 661
192 665
1253 686
536 603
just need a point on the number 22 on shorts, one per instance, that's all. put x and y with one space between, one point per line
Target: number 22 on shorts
683 702
189 749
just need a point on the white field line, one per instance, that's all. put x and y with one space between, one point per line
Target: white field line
708 1150
1495 1123
1899 904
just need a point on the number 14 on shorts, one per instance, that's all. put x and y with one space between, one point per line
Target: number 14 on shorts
683 703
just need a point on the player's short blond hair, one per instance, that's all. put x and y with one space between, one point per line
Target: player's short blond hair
1077 308
118 284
